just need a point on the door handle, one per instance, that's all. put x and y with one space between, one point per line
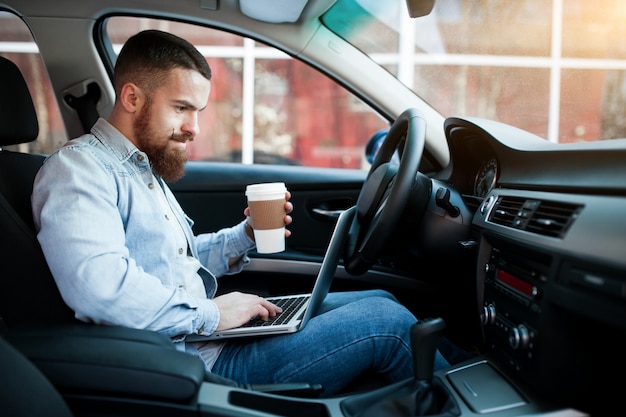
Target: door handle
331 214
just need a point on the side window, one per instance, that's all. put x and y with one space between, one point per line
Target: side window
17 45
266 107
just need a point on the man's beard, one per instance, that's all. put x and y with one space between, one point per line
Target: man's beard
169 164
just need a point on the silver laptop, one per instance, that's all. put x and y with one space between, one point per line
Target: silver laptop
298 308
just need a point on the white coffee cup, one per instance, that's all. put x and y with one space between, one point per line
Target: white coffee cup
267 215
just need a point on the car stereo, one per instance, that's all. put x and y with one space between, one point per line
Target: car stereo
514 289
551 331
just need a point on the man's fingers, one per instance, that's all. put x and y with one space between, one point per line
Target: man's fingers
267 310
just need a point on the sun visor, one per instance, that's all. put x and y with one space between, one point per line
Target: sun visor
273 11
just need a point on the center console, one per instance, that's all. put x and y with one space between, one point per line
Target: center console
548 329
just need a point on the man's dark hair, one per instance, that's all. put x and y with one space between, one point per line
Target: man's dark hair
148 56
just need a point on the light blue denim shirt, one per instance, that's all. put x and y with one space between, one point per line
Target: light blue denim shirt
114 254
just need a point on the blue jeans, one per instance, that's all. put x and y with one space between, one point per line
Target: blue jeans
355 334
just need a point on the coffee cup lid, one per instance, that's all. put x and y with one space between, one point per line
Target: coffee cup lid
266 188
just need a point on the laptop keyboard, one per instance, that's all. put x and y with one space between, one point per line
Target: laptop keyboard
289 305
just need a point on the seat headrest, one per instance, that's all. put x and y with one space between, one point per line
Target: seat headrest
18 119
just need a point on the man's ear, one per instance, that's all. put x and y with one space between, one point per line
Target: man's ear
131 97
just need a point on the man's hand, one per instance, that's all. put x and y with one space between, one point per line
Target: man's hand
237 308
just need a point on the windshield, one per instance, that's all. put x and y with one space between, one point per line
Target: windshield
555 68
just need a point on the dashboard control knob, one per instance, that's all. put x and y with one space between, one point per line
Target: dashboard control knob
489 314
519 337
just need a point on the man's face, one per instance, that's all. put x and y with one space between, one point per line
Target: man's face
169 119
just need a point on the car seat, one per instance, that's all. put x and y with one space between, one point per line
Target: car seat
34 319
24 390
29 294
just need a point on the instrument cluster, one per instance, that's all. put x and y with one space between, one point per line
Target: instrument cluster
486 177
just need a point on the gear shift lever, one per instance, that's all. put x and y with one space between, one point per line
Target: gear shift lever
425 396
425 337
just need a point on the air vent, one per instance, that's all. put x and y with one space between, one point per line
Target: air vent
548 218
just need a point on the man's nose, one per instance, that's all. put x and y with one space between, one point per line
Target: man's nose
191 125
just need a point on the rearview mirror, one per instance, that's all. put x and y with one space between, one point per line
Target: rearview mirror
419 8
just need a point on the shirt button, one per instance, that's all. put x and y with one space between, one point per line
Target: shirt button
150 185
201 330
140 158
180 251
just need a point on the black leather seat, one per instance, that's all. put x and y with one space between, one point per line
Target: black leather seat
102 362
29 294
24 390
33 316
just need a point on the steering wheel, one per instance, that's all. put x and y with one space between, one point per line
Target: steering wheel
385 192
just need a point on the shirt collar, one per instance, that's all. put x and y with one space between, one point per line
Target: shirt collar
113 139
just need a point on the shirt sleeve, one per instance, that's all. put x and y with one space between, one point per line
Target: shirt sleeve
216 249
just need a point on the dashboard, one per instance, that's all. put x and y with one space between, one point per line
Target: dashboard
551 264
